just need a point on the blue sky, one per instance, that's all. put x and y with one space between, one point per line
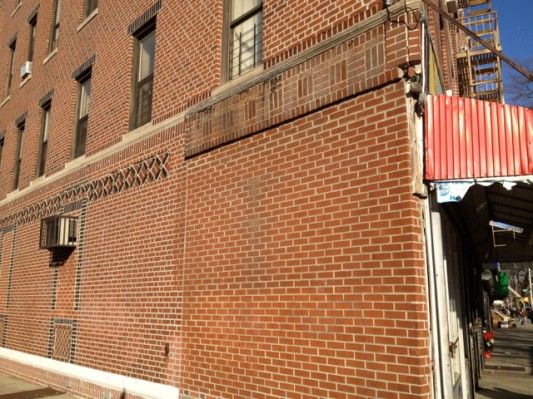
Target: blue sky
516 30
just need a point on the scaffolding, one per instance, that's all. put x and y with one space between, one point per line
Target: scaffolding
479 69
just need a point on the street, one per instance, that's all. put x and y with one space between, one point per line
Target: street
508 374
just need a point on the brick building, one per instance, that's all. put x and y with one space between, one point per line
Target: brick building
217 199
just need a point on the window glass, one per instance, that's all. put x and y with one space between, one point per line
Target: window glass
247 45
58 12
90 6
55 27
18 161
31 46
46 123
1 149
85 98
12 48
146 55
44 141
241 7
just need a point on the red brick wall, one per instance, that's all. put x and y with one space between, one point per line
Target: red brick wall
283 259
304 272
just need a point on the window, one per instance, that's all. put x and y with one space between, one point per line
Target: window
1 148
55 25
31 46
143 76
90 6
245 36
18 160
84 101
12 48
43 148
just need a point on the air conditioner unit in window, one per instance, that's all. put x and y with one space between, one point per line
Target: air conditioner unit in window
451 6
59 232
25 69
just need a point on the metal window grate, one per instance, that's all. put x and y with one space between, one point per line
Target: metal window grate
246 49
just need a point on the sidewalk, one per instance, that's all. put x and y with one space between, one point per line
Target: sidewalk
508 374
13 388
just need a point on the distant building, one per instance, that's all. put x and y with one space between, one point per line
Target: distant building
227 199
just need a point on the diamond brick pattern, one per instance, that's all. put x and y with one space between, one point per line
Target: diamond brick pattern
62 342
144 171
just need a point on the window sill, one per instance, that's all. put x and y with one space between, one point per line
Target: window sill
16 9
138 131
37 180
14 193
4 102
26 80
252 73
87 19
75 162
49 56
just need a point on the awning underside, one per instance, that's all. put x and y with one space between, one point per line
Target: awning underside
513 207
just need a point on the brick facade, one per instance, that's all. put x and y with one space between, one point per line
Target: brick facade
259 239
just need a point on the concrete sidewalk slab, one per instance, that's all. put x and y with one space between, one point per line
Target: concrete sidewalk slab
508 374
14 388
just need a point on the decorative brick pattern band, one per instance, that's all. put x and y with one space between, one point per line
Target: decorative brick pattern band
336 74
21 118
79 263
33 14
144 171
10 272
55 281
83 67
47 97
12 40
145 17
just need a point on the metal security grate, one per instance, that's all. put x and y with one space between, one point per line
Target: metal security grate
62 342
246 52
